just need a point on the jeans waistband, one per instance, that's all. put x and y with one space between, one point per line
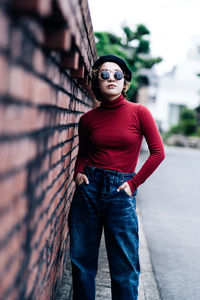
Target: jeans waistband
111 173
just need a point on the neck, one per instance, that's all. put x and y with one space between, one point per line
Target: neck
111 98
117 102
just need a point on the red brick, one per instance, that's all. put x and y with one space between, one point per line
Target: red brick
20 84
30 281
63 136
63 100
16 154
39 61
43 292
40 209
13 248
50 141
70 133
43 169
3 73
54 74
16 41
56 155
43 8
45 237
25 86
65 8
65 236
53 174
1 116
66 118
41 93
8 281
59 210
13 216
67 161
41 278
14 294
55 139
78 73
33 258
40 227
4 30
79 94
58 39
12 187
70 61
43 223
37 30
50 193
78 106
66 148
26 119
63 191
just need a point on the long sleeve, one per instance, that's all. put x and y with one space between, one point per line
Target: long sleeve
155 145
82 157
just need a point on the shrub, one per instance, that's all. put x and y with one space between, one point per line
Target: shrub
188 126
175 129
188 121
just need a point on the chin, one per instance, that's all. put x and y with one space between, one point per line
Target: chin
112 93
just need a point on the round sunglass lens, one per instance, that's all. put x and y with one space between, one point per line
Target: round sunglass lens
105 74
118 75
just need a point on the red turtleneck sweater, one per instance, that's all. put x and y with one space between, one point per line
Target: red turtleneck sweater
110 137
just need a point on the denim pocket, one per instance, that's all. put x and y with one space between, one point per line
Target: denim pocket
127 201
79 185
125 193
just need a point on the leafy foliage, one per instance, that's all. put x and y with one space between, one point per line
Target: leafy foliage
188 124
133 47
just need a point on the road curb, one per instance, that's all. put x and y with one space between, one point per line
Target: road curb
148 289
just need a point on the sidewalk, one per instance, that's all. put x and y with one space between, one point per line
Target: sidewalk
147 289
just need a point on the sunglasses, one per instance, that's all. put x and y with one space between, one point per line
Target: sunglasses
118 75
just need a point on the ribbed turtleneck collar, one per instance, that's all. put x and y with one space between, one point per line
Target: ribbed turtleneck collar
113 103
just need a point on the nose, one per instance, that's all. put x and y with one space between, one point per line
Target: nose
111 77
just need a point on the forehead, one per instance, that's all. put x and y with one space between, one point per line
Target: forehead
110 66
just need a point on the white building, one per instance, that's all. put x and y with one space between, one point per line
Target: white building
178 88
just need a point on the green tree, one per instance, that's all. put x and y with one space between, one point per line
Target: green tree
188 121
188 124
133 46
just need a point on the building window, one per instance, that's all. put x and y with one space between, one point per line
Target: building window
174 113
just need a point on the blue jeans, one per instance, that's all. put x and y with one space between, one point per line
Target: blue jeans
96 206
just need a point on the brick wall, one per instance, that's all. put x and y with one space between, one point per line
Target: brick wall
46 51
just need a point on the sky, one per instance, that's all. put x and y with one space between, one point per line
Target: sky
172 23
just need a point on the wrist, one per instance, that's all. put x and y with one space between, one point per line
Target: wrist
132 186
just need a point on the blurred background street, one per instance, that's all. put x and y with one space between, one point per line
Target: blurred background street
170 206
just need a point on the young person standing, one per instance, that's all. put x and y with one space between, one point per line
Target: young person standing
110 138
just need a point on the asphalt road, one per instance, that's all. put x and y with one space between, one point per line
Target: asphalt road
169 202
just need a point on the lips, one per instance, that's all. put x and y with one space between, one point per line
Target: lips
111 86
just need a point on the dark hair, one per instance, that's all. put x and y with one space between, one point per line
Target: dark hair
95 85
